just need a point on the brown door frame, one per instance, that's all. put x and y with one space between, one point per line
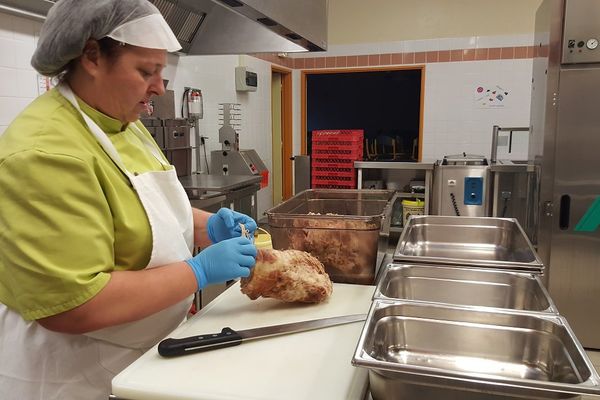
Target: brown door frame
303 133
286 129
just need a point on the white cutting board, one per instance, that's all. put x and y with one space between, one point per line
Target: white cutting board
309 365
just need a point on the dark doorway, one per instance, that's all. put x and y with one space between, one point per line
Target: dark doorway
385 104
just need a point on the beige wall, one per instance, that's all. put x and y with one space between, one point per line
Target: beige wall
361 21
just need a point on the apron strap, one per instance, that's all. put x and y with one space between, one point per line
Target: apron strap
103 139
149 145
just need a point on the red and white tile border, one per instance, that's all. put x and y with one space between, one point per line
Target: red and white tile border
412 52
422 57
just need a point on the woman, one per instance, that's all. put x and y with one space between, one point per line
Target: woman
96 232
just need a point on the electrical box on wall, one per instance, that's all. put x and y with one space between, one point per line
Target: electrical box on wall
245 81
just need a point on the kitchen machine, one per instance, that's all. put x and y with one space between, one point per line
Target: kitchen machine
563 148
461 186
230 160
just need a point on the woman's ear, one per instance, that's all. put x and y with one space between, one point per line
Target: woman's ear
90 59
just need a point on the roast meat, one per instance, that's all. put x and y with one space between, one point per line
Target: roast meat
287 275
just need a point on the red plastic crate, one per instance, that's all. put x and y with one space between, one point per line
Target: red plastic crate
325 186
334 180
344 143
353 135
354 154
332 162
334 147
333 171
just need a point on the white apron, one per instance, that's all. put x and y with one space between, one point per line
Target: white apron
46 365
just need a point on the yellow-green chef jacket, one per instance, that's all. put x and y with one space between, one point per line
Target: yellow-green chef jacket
68 215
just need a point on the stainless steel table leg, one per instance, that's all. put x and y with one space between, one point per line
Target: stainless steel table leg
359 178
198 300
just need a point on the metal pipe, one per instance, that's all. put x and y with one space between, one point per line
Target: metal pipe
22 13
494 153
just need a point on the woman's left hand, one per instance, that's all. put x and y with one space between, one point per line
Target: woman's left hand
225 224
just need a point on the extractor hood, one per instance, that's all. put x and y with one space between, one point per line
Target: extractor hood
228 26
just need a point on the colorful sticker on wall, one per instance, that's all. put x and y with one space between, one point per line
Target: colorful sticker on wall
490 96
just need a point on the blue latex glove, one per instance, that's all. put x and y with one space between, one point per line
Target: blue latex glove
225 224
223 261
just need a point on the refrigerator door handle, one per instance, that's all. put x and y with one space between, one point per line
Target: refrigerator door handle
564 215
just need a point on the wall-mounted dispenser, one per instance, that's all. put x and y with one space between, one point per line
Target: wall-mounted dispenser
245 81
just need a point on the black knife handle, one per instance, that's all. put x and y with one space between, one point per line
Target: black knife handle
194 344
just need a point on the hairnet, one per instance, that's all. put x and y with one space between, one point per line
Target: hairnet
71 23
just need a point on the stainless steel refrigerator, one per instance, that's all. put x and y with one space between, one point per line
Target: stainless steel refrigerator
564 151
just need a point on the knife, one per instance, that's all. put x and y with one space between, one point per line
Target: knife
228 337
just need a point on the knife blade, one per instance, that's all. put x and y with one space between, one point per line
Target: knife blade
228 337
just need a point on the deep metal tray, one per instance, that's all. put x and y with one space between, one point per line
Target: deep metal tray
426 351
470 287
341 227
476 241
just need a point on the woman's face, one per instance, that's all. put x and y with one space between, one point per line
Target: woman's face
126 83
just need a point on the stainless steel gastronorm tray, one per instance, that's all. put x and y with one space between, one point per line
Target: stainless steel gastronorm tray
426 351
477 241
471 287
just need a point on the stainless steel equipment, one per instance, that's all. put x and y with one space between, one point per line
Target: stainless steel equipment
469 318
461 186
514 186
301 173
211 192
463 286
242 162
173 137
230 160
427 351
475 241
343 228
563 148
227 26
496 138
513 182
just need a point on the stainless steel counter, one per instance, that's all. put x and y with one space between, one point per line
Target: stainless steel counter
394 165
217 183
407 166
510 166
211 192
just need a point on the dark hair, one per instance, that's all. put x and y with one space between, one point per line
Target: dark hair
108 47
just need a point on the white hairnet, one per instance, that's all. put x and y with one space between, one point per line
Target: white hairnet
71 23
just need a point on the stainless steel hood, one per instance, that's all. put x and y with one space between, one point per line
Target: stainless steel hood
228 26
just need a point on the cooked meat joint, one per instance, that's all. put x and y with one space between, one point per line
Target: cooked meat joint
287 275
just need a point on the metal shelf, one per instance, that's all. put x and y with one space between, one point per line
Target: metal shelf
427 167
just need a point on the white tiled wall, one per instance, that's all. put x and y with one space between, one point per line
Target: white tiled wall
455 122
18 80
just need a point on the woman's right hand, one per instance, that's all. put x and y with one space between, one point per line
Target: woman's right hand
223 261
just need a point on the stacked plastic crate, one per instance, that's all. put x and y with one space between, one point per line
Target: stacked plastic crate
332 158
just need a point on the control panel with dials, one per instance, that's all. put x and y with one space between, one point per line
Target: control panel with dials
581 32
